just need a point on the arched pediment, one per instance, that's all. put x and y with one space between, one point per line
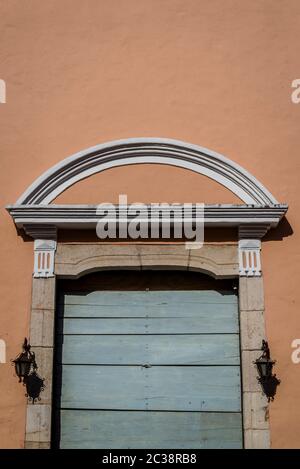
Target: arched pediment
146 150
40 219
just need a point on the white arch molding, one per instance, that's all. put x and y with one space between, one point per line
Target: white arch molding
146 150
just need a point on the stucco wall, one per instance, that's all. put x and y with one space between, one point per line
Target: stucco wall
215 73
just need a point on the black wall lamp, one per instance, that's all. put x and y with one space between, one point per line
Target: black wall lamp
265 364
24 362
26 370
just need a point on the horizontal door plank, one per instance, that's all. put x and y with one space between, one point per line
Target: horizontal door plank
114 429
227 312
140 298
152 349
200 325
192 388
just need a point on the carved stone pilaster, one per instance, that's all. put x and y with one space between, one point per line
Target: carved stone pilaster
44 253
44 248
249 249
249 258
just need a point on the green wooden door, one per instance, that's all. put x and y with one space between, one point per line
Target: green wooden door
149 369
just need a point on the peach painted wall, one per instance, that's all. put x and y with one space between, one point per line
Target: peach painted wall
214 73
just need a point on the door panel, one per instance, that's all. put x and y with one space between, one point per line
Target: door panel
152 369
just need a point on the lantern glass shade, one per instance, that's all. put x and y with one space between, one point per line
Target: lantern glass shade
264 367
22 365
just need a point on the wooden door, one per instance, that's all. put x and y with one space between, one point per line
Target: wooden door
149 369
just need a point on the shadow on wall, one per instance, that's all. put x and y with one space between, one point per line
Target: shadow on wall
283 230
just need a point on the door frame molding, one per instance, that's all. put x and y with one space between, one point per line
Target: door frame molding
220 260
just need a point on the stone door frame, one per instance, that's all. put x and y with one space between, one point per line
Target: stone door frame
219 260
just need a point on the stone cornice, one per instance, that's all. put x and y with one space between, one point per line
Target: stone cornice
42 221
